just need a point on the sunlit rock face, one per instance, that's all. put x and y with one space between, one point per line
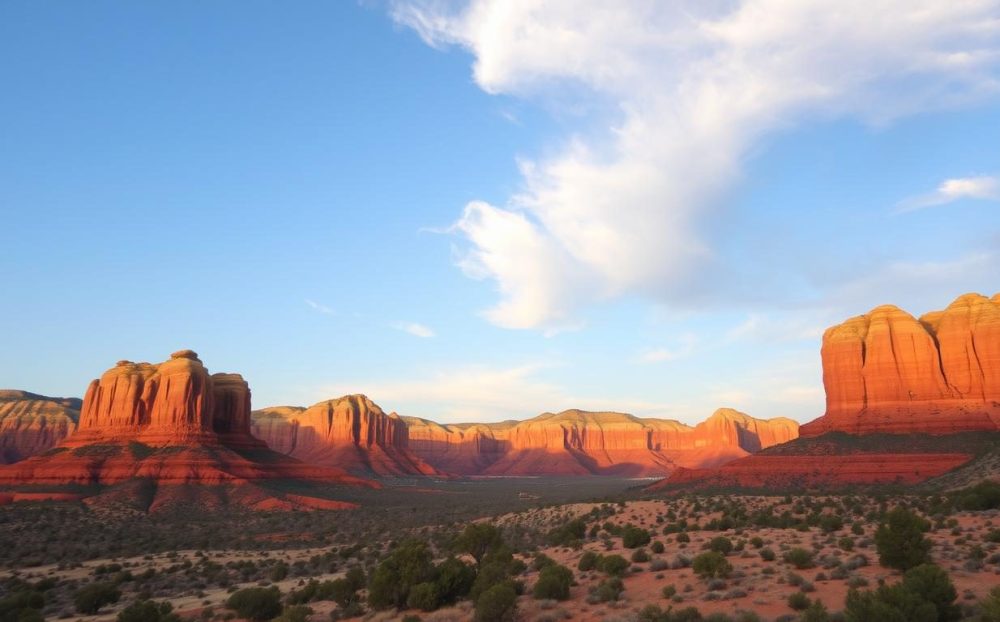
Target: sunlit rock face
178 433
31 424
350 432
886 371
576 442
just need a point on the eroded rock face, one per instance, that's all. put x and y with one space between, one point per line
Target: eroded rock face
176 402
576 442
175 429
31 424
350 432
886 371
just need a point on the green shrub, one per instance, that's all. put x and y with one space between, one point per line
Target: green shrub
798 601
478 539
640 556
256 603
423 596
608 590
553 583
989 608
634 537
767 555
588 561
148 611
720 544
497 604
711 565
900 540
89 599
657 547
454 579
409 564
800 558
614 565
925 594
569 534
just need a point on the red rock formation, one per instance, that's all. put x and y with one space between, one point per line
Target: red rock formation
175 426
886 371
783 472
578 442
31 424
350 432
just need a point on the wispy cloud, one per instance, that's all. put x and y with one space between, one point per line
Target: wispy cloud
677 96
320 307
415 329
684 347
485 393
983 187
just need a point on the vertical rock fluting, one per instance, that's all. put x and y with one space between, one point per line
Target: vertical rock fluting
351 432
174 402
889 372
31 424
582 442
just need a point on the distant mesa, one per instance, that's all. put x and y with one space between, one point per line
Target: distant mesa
350 432
904 379
175 432
577 442
31 424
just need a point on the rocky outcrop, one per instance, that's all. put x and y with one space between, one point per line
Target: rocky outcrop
577 442
182 431
31 424
350 432
886 371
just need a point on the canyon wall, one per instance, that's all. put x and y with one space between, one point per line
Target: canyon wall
576 442
886 371
350 432
31 424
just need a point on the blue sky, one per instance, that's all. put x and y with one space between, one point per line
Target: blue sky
489 210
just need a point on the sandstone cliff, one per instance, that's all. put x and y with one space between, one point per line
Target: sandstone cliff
576 442
886 371
349 432
31 424
183 431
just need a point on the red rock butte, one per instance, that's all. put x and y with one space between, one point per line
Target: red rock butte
31 424
175 425
888 372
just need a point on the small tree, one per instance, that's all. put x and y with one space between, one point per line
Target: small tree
477 539
900 540
91 598
409 564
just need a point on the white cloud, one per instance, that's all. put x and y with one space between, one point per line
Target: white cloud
983 187
320 308
415 329
682 93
